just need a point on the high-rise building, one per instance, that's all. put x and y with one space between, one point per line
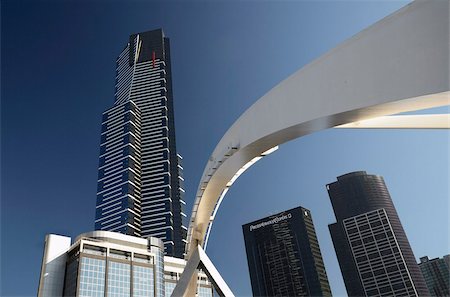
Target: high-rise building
436 273
140 183
103 263
284 257
371 246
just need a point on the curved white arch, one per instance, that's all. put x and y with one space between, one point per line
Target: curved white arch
399 64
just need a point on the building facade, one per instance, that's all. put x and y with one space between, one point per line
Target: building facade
436 273
371 246
140 184
110 264
284 257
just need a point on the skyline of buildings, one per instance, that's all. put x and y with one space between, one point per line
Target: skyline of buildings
371 246
140 194
284 257
37 189
283 254
140 184
436 273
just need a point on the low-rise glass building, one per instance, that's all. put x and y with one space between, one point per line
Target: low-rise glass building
110 264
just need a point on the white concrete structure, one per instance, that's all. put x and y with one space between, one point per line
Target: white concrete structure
422 121
51 282
400 64
397 65
186 286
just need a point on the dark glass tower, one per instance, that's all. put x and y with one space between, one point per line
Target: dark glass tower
372 248
436 273
284 257
140 190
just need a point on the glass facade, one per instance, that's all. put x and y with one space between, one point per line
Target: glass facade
204 291
109 264
140 190
119 185
159 270
204 287
376 252
118 279
92 277
170 286
70 280
142 281
284 257
437 275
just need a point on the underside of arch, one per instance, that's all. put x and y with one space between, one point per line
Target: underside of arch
399 64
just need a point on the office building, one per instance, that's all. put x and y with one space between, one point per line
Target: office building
371 246
102 263
140 183
436 274
284 257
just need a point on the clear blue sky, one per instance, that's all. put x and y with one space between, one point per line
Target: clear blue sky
57 77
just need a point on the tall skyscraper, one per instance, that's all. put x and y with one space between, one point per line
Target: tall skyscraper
372 248
284 257
140 184
436 273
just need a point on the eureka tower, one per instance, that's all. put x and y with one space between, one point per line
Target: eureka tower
140 184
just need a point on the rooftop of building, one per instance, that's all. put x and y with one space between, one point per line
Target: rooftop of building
120 239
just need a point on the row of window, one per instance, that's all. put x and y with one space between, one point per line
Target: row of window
92 279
